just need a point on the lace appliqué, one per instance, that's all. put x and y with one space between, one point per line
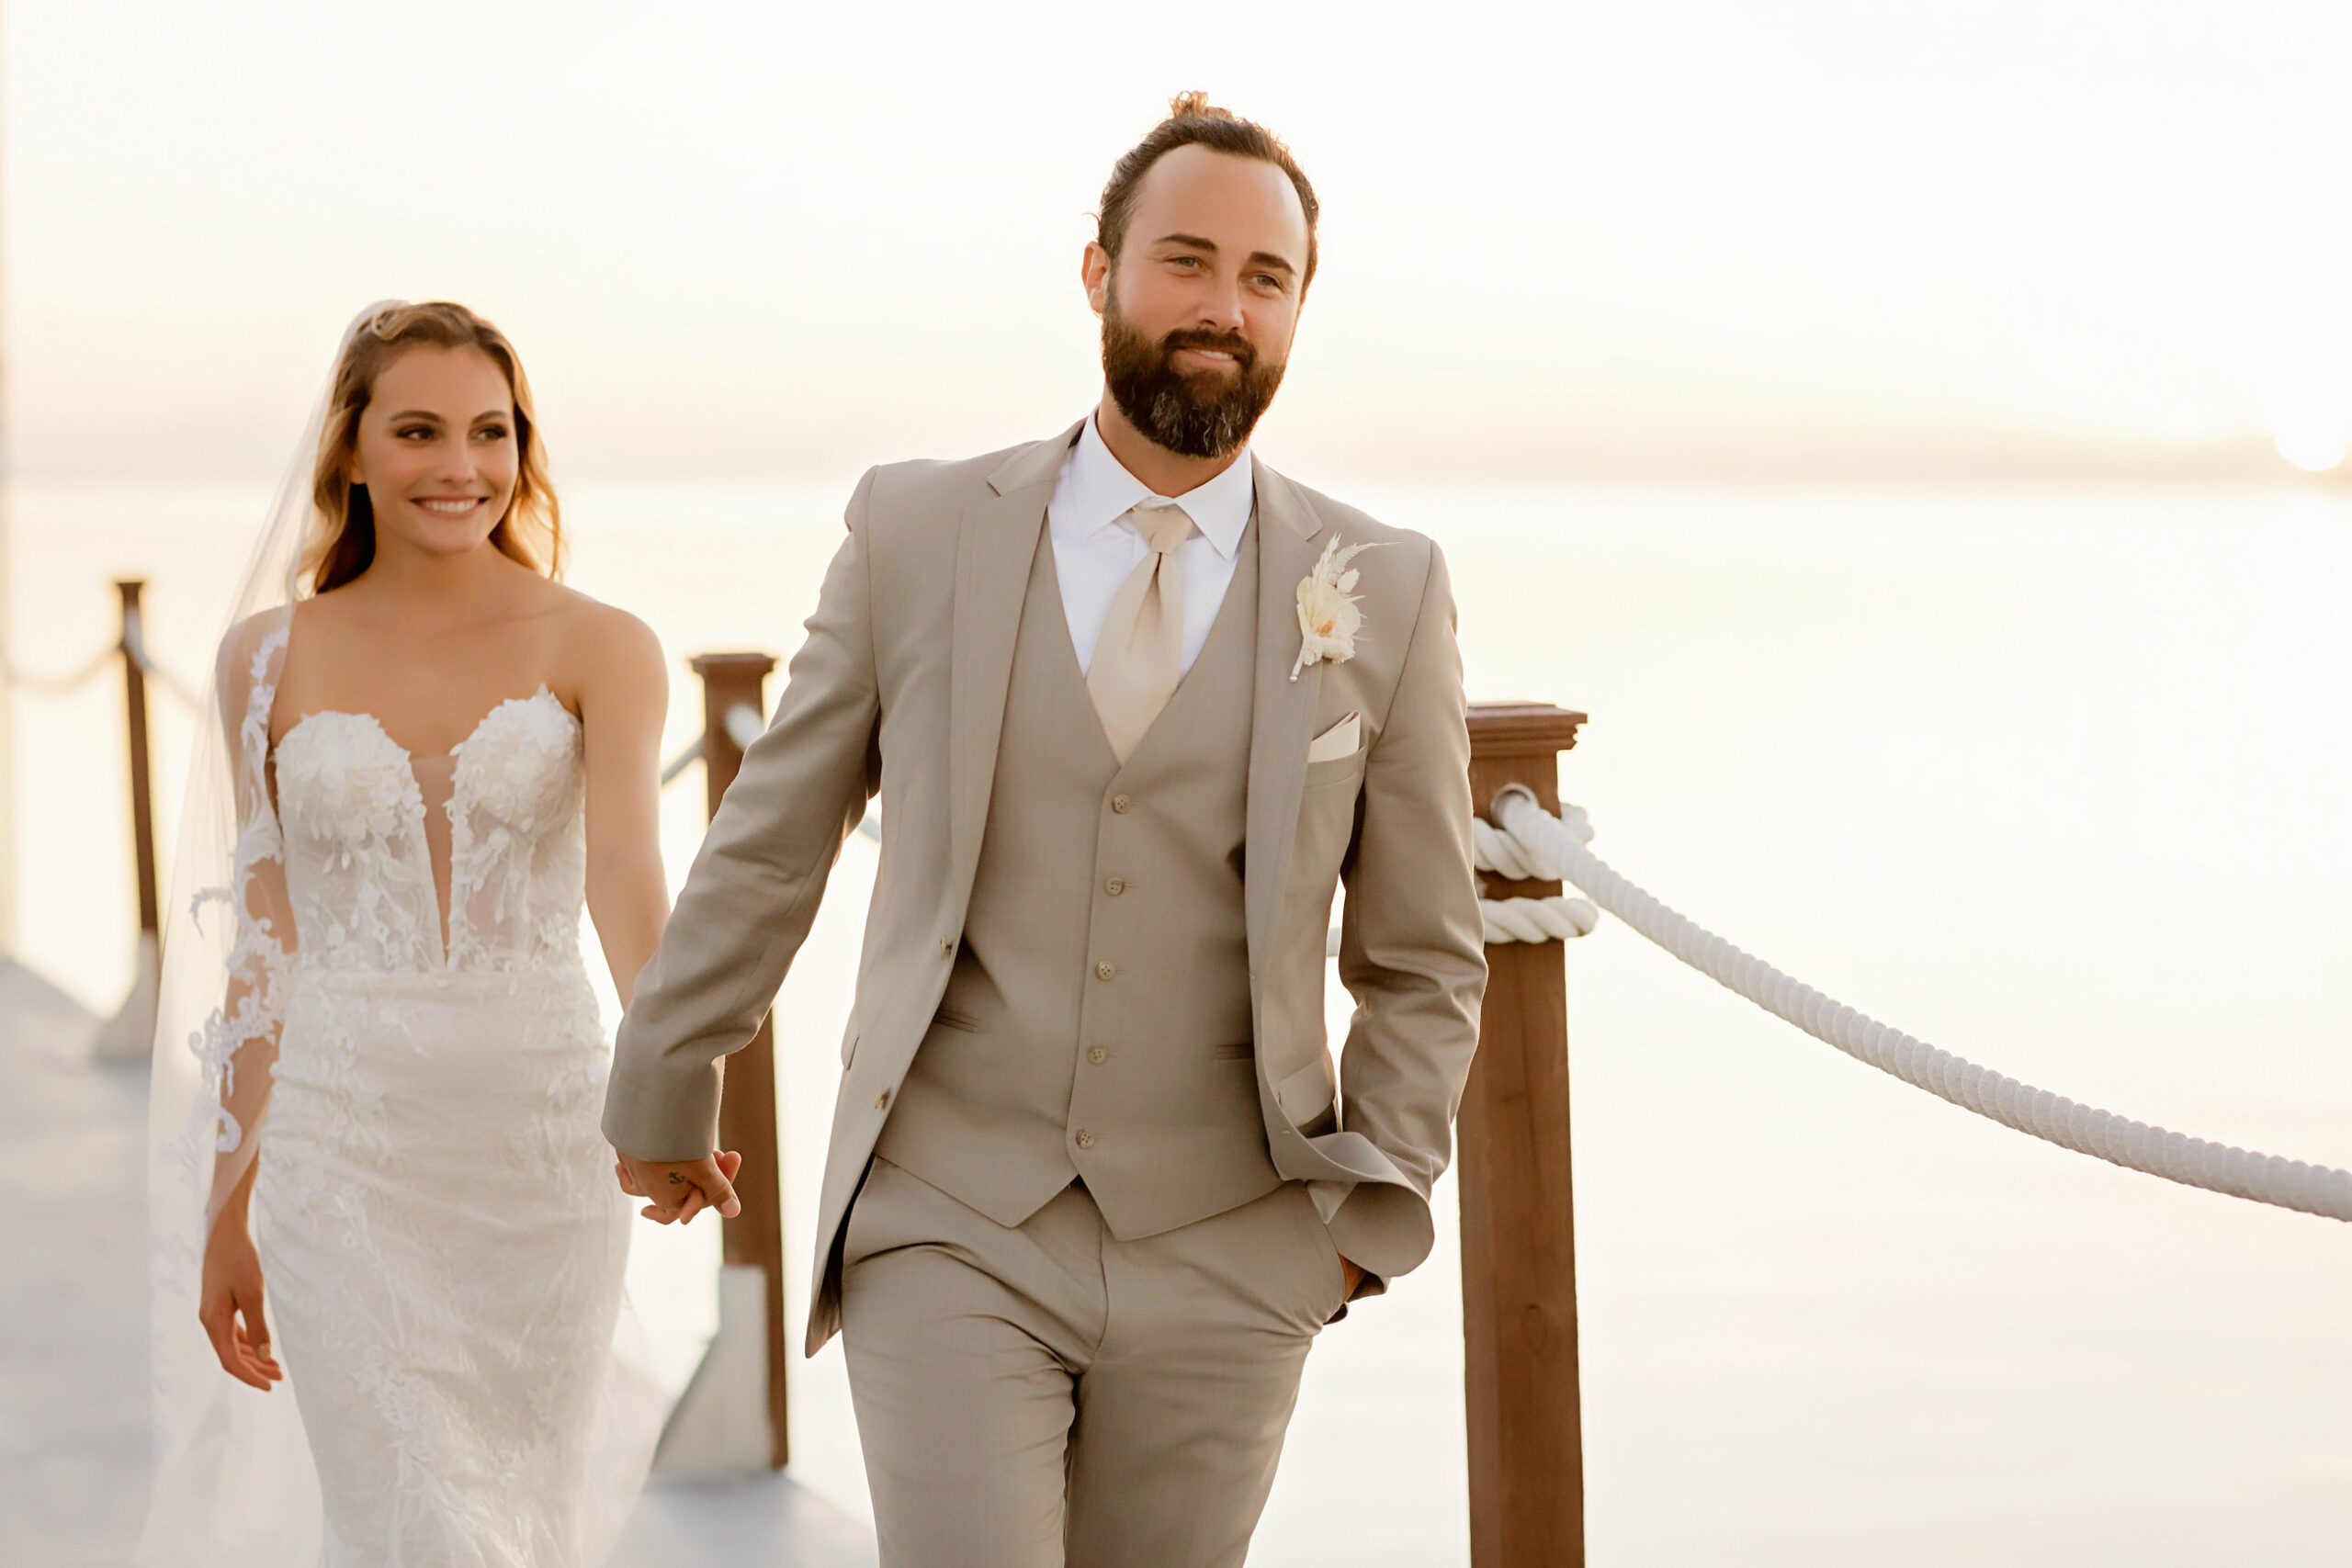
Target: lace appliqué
254 1004
518 850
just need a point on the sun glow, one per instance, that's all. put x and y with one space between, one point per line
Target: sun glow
2314 446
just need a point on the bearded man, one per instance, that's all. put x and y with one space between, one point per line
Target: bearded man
1135 705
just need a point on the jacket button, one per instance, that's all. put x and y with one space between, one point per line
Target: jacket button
1105 969
1098 1055
1085 1139
882 1100
1116 886
1119 802
948 947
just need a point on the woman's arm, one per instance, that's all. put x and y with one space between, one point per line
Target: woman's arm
624 697
624 694
229 1300
242 1039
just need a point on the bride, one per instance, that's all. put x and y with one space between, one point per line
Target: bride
381 1061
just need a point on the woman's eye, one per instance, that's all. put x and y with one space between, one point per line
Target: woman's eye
491 432
415 432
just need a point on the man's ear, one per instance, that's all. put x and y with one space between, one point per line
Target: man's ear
1094 272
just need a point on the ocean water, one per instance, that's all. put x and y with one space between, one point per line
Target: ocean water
2058 781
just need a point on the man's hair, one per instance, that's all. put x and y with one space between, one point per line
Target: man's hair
1193 121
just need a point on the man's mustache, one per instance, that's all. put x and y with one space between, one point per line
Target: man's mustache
1234 343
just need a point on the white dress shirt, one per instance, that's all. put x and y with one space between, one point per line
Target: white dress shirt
1097 546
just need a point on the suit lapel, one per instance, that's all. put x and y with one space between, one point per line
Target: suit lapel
996 545
1281 713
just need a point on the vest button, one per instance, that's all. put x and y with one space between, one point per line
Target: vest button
948 947
1085 1139
1105 969
1098 1055
1119 802
1116 886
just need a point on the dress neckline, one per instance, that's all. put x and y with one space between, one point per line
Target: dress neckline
446 911
471 735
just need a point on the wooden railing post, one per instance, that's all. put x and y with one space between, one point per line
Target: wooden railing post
1519 1263
129 1036
143 795
747 1110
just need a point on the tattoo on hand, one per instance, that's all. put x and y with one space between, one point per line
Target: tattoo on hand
676 1180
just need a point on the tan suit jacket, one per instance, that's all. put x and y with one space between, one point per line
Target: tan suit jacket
900 686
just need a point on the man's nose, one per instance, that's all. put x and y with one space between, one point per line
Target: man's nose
1220 306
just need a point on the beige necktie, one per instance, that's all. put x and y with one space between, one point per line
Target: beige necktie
1140 655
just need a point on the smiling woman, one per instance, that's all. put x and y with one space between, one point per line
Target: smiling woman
397 441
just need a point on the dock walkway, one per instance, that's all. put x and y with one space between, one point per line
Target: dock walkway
73 1420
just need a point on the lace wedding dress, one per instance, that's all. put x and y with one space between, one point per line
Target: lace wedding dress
440 1235
439 1230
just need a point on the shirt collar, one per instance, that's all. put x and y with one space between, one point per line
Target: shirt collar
1095 491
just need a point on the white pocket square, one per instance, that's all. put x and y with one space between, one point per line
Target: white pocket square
1337 742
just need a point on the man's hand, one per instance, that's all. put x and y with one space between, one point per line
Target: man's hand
676 1191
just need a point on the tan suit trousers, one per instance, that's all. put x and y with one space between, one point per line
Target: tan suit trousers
1048 1394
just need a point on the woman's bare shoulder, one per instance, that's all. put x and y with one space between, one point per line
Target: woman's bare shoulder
592 621
603 642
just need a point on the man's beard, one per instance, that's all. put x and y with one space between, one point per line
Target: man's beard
1207 415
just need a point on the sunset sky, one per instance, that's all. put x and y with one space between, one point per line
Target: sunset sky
752 241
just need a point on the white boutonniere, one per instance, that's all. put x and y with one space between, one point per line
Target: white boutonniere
1328 617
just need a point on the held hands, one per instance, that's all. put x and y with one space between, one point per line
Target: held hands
229 1304
678 1191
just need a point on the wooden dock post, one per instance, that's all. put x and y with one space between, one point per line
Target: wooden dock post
1519 1267
747 1112
143 789
129 1036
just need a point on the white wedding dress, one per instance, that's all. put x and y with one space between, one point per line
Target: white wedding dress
441 1238
439 1230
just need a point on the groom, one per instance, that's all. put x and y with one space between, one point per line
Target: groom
1135 704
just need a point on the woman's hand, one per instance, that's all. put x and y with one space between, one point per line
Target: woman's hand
679 1191
229 1304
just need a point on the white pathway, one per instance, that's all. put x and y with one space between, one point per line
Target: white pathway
74 1462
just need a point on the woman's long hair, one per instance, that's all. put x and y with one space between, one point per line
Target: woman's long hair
342 545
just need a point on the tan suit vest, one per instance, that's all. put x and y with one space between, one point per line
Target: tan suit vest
1097 1019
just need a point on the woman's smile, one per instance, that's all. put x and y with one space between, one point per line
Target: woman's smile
450 505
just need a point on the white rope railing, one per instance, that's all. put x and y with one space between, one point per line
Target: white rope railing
1555 919
45 685
743 725
1529 843
133 643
